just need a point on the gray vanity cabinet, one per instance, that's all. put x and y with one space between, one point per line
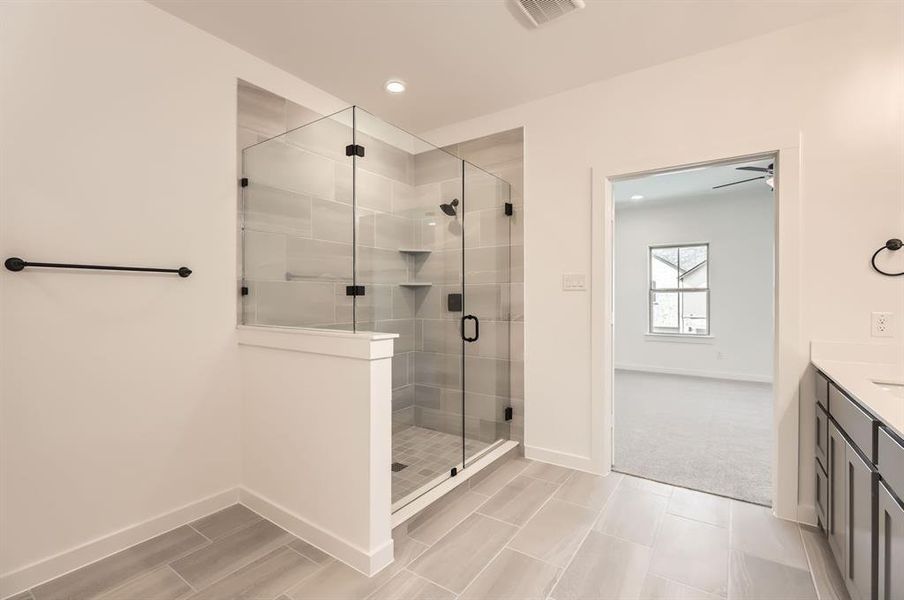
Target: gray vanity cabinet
860 492
859 500
891 546
837 514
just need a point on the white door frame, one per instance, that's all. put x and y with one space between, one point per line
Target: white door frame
790 351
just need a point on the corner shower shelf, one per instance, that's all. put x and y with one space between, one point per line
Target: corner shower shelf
415 250
416 284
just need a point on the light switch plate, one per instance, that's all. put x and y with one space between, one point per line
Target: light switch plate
574 282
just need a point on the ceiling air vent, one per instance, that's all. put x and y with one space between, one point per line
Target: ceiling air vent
540 12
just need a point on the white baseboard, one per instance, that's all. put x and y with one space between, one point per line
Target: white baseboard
69 560
369 563
806 514
693 373
564 459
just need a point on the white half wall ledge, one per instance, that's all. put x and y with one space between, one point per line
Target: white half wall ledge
316 427
346 344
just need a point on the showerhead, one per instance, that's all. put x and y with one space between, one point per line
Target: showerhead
449 208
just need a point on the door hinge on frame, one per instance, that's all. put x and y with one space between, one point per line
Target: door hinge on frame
508 413
354 150
509 209
244 181
244 290
354 290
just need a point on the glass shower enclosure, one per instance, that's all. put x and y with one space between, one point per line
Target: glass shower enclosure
351 223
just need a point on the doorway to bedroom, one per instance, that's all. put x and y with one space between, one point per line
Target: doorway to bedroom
693 299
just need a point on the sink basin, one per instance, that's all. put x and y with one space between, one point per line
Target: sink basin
895 389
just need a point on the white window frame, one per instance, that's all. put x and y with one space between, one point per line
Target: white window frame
678 291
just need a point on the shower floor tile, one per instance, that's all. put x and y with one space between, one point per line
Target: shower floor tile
427 455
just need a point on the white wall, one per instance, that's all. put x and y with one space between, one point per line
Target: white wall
839 82
120 393
738 225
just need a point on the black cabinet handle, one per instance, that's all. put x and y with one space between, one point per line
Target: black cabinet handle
476 328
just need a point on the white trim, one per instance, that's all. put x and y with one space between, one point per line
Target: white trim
564 459
413 508
790 351
806 514
679 338
363 345
692 373
107 545
367 562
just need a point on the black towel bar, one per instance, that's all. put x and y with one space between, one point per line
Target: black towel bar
15 263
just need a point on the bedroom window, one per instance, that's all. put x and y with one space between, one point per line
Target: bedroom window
679 290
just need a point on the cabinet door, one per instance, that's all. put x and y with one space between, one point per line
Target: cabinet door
860 510
822 497
822 436
837 502
891 546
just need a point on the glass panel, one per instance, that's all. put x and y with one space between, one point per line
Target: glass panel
297 227
663 268
408 257
664 312
695 313
692 262
487 278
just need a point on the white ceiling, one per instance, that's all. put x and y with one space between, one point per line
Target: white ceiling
696 183
464 58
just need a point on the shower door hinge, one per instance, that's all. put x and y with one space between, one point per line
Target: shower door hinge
244 181
244 290
354 150
354 290
508 413
509 209
454 471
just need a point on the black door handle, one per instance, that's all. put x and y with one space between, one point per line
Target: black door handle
476 328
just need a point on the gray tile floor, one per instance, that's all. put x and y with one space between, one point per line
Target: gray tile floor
712 435
524 531
428 454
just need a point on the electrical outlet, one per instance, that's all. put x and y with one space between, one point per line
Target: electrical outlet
882 324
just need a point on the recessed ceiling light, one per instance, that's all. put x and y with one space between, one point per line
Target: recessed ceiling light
637 197
394 86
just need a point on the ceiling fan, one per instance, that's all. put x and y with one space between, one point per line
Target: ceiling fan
768 173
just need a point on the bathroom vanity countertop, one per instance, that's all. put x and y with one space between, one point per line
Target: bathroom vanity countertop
858 379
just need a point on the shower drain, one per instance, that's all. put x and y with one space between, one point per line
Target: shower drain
397 466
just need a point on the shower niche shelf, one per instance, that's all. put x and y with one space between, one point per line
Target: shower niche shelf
415 250
415 284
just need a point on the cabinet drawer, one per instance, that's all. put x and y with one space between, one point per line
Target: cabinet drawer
822 436
857 424
822 390
891 462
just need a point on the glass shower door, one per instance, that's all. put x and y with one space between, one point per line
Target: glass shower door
408 260
487 311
